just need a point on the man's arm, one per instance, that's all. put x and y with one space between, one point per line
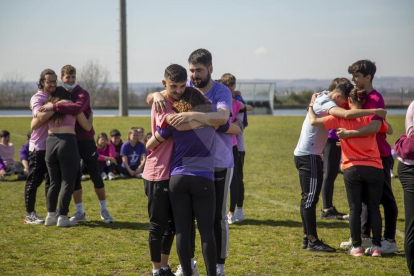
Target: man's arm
356 113
314 121
81 103
159 100
40 119
372 128
234 129
211 118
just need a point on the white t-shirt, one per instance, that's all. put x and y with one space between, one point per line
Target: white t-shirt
313 139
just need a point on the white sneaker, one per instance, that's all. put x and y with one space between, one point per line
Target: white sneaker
220 271
106 216
51 219
111 176
124 175
139 176
180 271
366 242
104 176
63 221
33 218
374 251
388 247
83 177
78 217
239 214
231 218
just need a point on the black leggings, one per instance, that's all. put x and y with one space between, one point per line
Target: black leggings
194 195
240 165
62 160
161 230
406 175
331 160
37 173
234 186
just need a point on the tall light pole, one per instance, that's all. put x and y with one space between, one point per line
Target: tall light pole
123 85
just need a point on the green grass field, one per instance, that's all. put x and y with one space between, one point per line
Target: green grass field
266 243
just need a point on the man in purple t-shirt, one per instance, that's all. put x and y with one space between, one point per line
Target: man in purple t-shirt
201 67
37 146
363 72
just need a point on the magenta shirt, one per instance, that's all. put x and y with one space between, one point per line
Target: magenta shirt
38 139
375 100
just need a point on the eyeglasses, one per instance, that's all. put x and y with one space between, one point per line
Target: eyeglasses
51 81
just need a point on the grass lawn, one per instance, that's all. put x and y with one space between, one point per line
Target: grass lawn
266 243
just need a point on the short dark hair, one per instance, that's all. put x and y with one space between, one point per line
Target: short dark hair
345 88
175 73
365 67
202 56
4 133
42 77
337 81
101 135
68 70
114 133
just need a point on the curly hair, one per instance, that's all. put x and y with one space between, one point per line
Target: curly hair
192 100
59 94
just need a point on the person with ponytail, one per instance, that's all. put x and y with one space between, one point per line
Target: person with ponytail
362 172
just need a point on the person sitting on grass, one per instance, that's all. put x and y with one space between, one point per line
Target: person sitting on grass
363 174
2 169
24 154
116 140
7 153
133 156
107 155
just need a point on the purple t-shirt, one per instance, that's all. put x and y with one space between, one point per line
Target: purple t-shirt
2 166
375 100
332 134
220 97
24 152
133 153
194 151
39 136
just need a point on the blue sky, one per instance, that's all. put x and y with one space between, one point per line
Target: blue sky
264 39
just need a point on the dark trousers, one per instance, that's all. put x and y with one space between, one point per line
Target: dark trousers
331 160
62 160
310 176
387 201
15 168
161 229
364 184
194 195
89 154
37 173
406 175
240 166
234 186
222 179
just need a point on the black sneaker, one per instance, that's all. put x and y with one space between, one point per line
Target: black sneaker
167 272
304 244
161 272
319 246
332 213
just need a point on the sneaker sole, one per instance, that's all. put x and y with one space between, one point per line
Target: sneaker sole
107 221
30 222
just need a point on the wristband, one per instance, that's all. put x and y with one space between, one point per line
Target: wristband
155 136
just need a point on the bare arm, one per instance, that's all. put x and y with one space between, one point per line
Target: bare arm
41 118
390 130
84 123
211 118
125 161
141 166
356 113
314 121
372 128
153 143
234 129
159 100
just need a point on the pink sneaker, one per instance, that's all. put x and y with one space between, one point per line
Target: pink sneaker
356 251
374 251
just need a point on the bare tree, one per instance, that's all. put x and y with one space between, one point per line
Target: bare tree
93 77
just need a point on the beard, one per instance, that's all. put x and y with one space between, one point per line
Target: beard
202 82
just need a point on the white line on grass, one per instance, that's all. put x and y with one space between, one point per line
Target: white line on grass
275 202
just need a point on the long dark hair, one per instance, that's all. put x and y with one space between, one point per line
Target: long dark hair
59 94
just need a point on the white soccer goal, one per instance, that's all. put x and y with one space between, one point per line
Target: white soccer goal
259 94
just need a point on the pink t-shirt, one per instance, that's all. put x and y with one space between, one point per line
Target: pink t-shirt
7 153
108 151
158 164
375 100
409 118
236 106
38 139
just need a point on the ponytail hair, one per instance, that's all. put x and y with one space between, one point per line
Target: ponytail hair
358 96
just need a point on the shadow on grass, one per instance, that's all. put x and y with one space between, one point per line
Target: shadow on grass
293 223
116 225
